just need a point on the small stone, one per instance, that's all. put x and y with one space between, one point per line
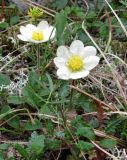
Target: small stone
125 82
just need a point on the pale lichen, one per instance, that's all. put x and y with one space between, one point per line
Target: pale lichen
16 86
120 154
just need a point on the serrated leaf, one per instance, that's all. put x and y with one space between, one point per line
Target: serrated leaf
36 143
84 146
108 143
85 132
87 104
30 126
23 152
53 144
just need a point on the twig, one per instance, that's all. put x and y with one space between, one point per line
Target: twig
109 65
122 26
94 98
15 58
110 155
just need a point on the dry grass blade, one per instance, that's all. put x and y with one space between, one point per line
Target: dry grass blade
110 155
114 73
122 26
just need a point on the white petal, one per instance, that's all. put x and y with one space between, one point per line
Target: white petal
63 52
63 73
49 33
91 62
31 27
21 37
23 30
43 25
78 75
90 51
77 47
59 62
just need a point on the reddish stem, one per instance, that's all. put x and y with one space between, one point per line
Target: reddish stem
2 13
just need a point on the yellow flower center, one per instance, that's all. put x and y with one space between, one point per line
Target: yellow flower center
38 35
75 63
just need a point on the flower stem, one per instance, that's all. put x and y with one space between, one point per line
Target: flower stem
71 94
69 132
38 59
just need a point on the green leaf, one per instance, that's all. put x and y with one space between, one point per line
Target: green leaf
59 4
1 156
60 134
49 127
78 12
29 126
87 104
91 16
31 97
15 100
33 79
14 20
61 21
84 146
4 25
36 143
104 30
1 52
86 132
5 109
64 90
108 143
4 79
23 152
50 82
3 146
53 144
15 122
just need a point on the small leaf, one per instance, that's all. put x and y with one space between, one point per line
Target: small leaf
108 143
14 20
15 100
31 97
50 82
59 4
4 25
87 104
29 126
15 122
61 21
4 79
23 152
84 146
36 143
86 132
53 144
3 146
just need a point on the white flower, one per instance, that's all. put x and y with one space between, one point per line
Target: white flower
37 34
75 62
